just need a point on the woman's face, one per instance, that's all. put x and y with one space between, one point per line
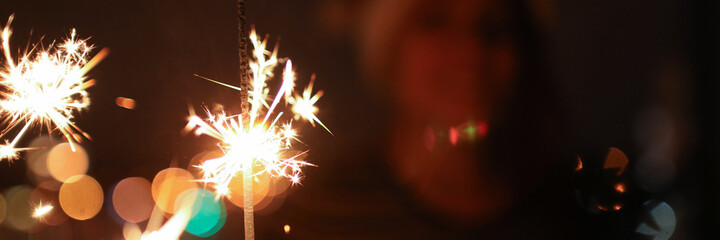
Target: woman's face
454 61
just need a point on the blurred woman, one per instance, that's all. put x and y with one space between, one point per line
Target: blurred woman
467 99
473 133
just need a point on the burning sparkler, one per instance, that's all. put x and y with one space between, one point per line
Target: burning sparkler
251 139
45 88
247 143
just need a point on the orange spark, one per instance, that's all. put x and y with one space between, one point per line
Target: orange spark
620 187
617 207
287 229
579 164
125 103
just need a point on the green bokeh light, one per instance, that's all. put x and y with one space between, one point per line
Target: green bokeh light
208 215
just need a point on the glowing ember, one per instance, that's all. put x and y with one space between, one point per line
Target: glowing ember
41 210
45 88
617 207
579 164
248 141
122 102
287 229
620 187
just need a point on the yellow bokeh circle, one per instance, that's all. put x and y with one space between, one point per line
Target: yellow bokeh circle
81 197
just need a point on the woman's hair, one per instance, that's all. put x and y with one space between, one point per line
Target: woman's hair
527 138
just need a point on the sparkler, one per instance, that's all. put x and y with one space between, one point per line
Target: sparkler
256 142
44 88
250 139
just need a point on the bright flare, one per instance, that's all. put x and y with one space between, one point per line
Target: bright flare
41 210
172 229
44 88
251 140
304 106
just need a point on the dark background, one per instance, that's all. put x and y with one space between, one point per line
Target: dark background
626 72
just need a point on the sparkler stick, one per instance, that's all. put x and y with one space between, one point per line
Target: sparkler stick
248 208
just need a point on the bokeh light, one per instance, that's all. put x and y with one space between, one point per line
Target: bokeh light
19 209
3 208
261 186
63 162
278 186
208 213
660 220
620 187
37 158
132 199
168 184
81 197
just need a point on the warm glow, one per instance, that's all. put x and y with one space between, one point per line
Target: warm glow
453 135
81 197
125 103
620 187
168 185
132 199
20 209
261 187
617 207
3 208
248 141
616 159
579 164
41 210
63 162
44 88
287 229
46 194
172 229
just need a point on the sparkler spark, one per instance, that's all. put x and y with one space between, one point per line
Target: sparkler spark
303 106
248 141
41 210
44 88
